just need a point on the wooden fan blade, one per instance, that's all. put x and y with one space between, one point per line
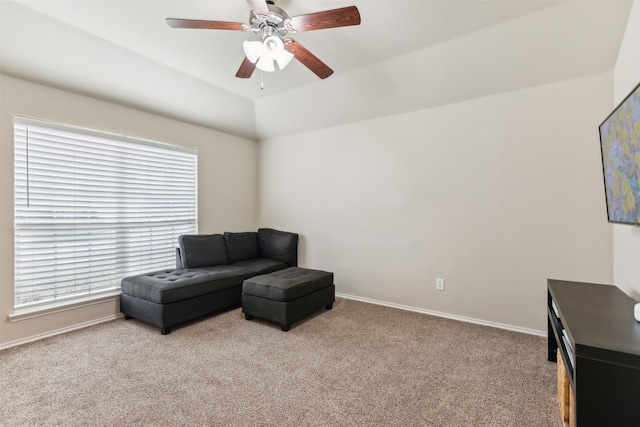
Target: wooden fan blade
246 69
342 17
259 6
308 59
207 25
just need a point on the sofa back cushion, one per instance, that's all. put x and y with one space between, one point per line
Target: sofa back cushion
278 245
241 246
202 250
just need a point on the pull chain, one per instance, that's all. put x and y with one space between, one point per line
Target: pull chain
261 80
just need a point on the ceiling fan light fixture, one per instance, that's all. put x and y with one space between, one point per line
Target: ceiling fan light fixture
264 53
265 64
252 50
284 59
273 47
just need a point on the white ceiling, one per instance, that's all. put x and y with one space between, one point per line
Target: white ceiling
406 55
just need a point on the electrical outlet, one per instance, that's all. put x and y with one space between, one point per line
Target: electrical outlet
440 284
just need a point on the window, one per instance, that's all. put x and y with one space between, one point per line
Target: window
92 208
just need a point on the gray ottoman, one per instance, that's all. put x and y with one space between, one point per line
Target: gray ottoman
287 296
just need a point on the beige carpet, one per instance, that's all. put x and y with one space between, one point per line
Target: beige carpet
355 365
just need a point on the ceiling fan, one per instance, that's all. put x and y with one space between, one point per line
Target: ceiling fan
271 24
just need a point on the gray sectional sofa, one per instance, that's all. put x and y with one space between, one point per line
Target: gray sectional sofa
210 270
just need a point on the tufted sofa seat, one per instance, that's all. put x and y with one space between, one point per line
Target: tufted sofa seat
175 285
208 277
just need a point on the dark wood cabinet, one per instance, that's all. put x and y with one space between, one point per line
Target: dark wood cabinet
599 339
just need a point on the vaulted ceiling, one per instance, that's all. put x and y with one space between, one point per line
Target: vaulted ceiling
405 56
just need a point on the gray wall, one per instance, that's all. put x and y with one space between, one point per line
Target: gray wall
495 195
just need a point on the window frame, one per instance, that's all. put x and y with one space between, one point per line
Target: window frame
167 153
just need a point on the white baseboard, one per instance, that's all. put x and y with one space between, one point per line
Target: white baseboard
59 331
446 315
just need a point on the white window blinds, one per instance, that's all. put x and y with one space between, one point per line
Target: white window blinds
92 208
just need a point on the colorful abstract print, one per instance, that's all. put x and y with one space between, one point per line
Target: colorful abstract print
620 139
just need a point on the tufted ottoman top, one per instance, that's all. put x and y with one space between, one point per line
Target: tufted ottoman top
288 284
166 286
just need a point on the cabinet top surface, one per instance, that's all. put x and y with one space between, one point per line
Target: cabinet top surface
598 318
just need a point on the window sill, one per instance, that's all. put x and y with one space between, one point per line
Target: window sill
30 313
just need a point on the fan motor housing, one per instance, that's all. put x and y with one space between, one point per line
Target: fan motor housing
272 24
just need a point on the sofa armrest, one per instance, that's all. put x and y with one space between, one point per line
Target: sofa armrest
178 259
